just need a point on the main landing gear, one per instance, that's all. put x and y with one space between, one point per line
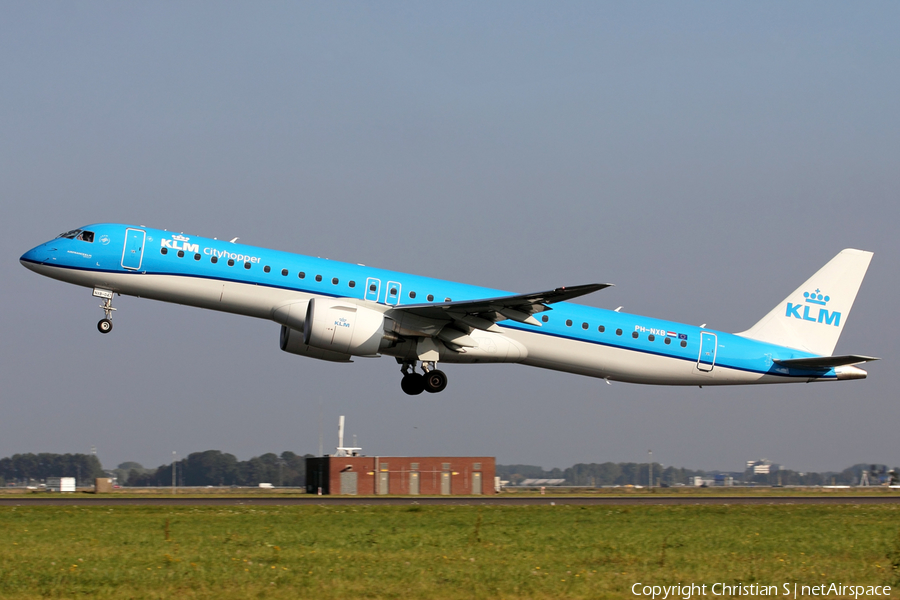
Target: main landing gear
432 381
105 324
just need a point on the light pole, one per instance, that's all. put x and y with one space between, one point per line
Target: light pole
173 471
650 469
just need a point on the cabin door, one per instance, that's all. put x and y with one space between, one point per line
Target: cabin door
707 358
133 253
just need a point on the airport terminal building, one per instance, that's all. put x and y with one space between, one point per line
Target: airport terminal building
400 475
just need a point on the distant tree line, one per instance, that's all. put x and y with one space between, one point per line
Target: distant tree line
25 468
599 474
608 473
850 476
217 468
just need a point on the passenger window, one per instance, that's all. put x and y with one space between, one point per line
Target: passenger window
412 294
584 325
267 268
668 340
334 280
393 291
196 257
165 250
683 344
373 287
212 259
246 265
545 318
601 329
318 278
181 254
352 283
86 236
430 297
284 272
618 332
651 337
568 322
230 262
301 275
634 334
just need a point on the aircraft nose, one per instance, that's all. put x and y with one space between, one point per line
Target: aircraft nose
28 256
36 255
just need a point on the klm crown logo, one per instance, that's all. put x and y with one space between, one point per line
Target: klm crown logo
815 298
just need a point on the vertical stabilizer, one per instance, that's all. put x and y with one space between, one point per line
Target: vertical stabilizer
813 317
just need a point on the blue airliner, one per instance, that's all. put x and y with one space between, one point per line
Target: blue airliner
335 311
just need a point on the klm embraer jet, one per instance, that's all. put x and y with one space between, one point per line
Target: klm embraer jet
335 311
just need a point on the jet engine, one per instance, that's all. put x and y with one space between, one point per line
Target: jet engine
292 341
345 328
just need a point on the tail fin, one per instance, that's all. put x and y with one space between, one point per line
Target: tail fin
813 317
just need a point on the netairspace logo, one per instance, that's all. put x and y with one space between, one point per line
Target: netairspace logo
816 298
793 590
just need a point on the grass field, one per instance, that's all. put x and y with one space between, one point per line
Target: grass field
436 551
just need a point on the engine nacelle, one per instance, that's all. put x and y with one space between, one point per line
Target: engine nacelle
292 314
346 328
292 341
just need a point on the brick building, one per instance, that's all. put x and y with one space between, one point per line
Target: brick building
400 475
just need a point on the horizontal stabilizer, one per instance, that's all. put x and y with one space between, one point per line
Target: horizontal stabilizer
824 362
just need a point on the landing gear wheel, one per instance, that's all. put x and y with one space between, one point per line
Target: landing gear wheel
435 381
104 326
413 384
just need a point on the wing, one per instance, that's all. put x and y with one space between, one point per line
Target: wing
452 321
824 362
518 308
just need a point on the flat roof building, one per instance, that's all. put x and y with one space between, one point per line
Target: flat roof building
400 475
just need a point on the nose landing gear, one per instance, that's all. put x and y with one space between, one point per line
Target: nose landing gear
433 380
105 325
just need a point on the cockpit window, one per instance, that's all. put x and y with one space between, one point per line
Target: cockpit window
69 235
86 236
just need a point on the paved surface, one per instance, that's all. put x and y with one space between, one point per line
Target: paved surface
502 500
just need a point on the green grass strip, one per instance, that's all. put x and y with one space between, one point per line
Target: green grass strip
443 552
